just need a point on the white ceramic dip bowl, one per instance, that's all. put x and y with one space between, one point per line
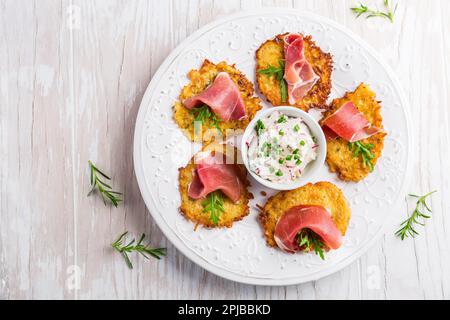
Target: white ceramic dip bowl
311 169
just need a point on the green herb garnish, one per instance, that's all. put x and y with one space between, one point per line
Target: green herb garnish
407 226
281 161
296 151
259 127
281 133
309 240
105 190
203 114
144 250
298 162
279 173
278 72
371 13
267 148
213 205
296 128
282 119
283 90
289 157
364 150
302 143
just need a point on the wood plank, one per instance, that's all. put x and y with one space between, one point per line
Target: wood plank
36 178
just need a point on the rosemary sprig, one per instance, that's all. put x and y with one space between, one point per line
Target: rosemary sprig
308 241
364 150
371 13
278 72
204 113
105 190
407 226
144 250
213 205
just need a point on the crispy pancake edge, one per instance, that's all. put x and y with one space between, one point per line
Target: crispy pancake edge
199 80
193 209
339 157
272 50
323 193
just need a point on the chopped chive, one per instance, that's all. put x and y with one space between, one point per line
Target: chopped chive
281 133
282 119
259 127
298 162
281 161
296 151
302 143
279 173
296 128
289 157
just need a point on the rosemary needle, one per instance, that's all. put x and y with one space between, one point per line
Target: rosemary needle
133 246
371 13
105 190
407 226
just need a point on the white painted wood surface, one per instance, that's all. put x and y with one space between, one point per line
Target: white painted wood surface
72 75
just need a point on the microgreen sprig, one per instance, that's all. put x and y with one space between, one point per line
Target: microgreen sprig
278 72
133 246
213 205
105 190
371 13
407 226
365 150
204 113
308 241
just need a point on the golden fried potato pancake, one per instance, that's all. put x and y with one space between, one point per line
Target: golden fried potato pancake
340 158
193 209
200 79
272 51
323 194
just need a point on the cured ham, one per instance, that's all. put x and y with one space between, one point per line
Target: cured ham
223 97
349 124
298 72
212 174
315 218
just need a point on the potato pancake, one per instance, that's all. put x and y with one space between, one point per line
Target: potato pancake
200 80
194 209
340 157
272 51
323 194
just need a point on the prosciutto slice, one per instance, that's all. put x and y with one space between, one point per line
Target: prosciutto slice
223 97
315 218
298 72
349 124
212 174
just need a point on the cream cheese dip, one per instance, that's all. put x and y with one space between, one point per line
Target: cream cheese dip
280 147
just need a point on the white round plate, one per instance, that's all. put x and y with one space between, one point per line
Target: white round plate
240 253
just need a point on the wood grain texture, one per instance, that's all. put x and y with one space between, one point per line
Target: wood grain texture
72 75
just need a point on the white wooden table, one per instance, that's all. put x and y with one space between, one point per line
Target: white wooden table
72 75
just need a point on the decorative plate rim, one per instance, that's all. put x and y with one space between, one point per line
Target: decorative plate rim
171 235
